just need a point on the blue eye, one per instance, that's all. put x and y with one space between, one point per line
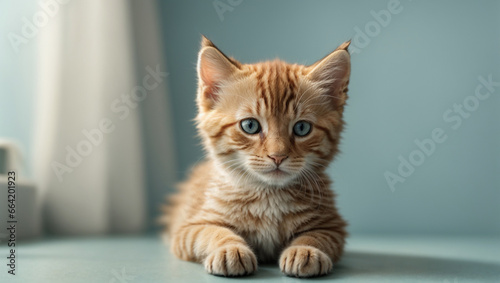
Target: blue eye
302 128
250 126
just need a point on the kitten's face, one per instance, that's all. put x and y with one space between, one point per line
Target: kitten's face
272 123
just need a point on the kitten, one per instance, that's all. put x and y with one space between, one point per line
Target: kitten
270 129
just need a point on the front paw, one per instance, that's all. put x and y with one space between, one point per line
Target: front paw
231 260
305 261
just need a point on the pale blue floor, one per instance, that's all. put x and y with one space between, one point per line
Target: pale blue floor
146 259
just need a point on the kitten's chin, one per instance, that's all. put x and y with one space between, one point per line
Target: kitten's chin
276 177
254 178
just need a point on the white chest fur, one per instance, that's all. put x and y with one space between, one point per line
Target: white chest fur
261 217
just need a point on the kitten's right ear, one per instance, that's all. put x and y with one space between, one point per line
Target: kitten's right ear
214 67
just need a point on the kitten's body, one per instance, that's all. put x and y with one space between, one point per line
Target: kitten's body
267 218
263 195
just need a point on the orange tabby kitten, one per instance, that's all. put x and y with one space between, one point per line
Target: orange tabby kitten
270 130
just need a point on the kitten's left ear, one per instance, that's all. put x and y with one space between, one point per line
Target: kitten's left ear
332 73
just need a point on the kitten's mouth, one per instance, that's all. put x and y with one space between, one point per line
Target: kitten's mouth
276 177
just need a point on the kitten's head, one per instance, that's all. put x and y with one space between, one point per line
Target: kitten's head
272 122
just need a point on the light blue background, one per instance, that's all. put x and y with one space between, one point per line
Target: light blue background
17 79
427 59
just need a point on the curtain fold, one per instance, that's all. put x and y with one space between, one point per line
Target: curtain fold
90 141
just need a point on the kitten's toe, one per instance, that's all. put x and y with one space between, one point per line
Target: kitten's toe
305 261
231 260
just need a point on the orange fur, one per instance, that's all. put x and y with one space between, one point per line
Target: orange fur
234 209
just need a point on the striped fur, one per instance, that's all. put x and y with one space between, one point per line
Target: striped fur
232 213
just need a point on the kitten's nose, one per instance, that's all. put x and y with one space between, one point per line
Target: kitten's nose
278 158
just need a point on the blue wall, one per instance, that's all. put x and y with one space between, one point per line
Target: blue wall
426 59
415 67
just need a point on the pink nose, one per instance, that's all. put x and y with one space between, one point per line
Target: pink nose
278 158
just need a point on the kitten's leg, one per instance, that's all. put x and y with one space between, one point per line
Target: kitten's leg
311 253
222 251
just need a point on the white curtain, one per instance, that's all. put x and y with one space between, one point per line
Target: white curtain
94 88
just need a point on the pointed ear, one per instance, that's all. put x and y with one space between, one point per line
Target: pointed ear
214 67
332 73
